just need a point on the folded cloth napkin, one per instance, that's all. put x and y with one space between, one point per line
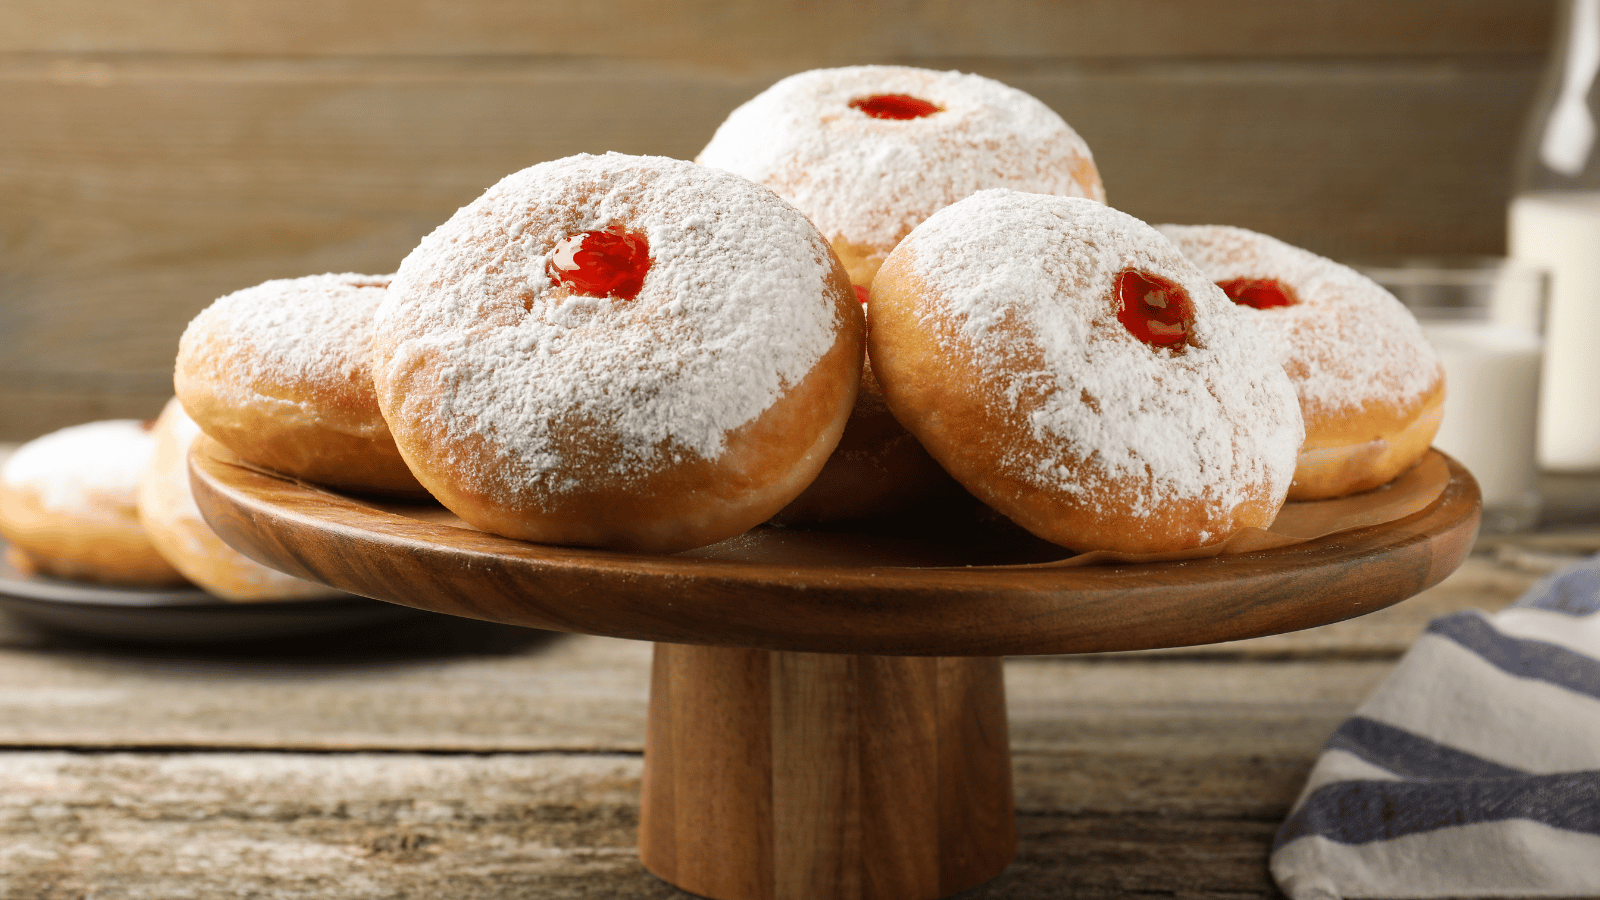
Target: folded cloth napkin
1473 770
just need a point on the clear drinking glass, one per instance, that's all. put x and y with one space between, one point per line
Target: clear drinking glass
1485 317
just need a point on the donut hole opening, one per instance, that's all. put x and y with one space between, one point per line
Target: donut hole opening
895 106
610 263
1259 293
1155 310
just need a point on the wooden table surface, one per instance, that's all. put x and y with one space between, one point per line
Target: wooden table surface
449 758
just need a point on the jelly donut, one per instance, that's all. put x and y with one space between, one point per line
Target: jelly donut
867 152
174 525
1371 387
278 373
1069 367
619 351
68 507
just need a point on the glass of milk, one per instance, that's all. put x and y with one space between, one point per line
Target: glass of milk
1485 317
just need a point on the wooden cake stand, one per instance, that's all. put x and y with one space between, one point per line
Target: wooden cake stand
827 713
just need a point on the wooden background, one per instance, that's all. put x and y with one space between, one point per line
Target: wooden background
154 156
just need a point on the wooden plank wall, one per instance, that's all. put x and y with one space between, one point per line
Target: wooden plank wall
155 155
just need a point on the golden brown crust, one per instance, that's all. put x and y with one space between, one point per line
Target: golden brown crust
323 426
167 511
678 416
1364 448
767 463
100 542
878 468
941 394
861 261
1371 388
312 436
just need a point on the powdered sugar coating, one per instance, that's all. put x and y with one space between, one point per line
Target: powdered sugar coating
291 341
84 467
869 181
732 313
1347 343
1026 283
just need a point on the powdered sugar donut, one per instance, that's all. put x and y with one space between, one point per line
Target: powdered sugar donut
174 525
1371 387
867 152
278 373
1068 365
619 351
67 505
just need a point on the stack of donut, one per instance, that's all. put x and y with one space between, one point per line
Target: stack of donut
175 527
109 503
69 506
648 354
868 153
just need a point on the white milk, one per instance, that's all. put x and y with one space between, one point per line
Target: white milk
1562 231
1491 380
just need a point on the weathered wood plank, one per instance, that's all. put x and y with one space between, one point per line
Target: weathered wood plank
578 693
287 826
1346 160
178 825
138 190
433 685
728 33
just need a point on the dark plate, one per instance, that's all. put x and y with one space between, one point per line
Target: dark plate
177 615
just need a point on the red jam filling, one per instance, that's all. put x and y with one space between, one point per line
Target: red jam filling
1153 309
1259 293
602 263
895 106
862 294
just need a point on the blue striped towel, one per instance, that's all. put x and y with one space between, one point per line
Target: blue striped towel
1473 770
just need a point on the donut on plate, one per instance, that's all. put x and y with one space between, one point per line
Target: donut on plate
1069 367
867 153
619 351
68 507
279 374
1371 387
174 525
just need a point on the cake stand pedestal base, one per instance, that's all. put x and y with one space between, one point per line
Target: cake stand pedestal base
773 775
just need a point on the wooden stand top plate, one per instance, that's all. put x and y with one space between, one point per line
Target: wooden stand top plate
957 587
